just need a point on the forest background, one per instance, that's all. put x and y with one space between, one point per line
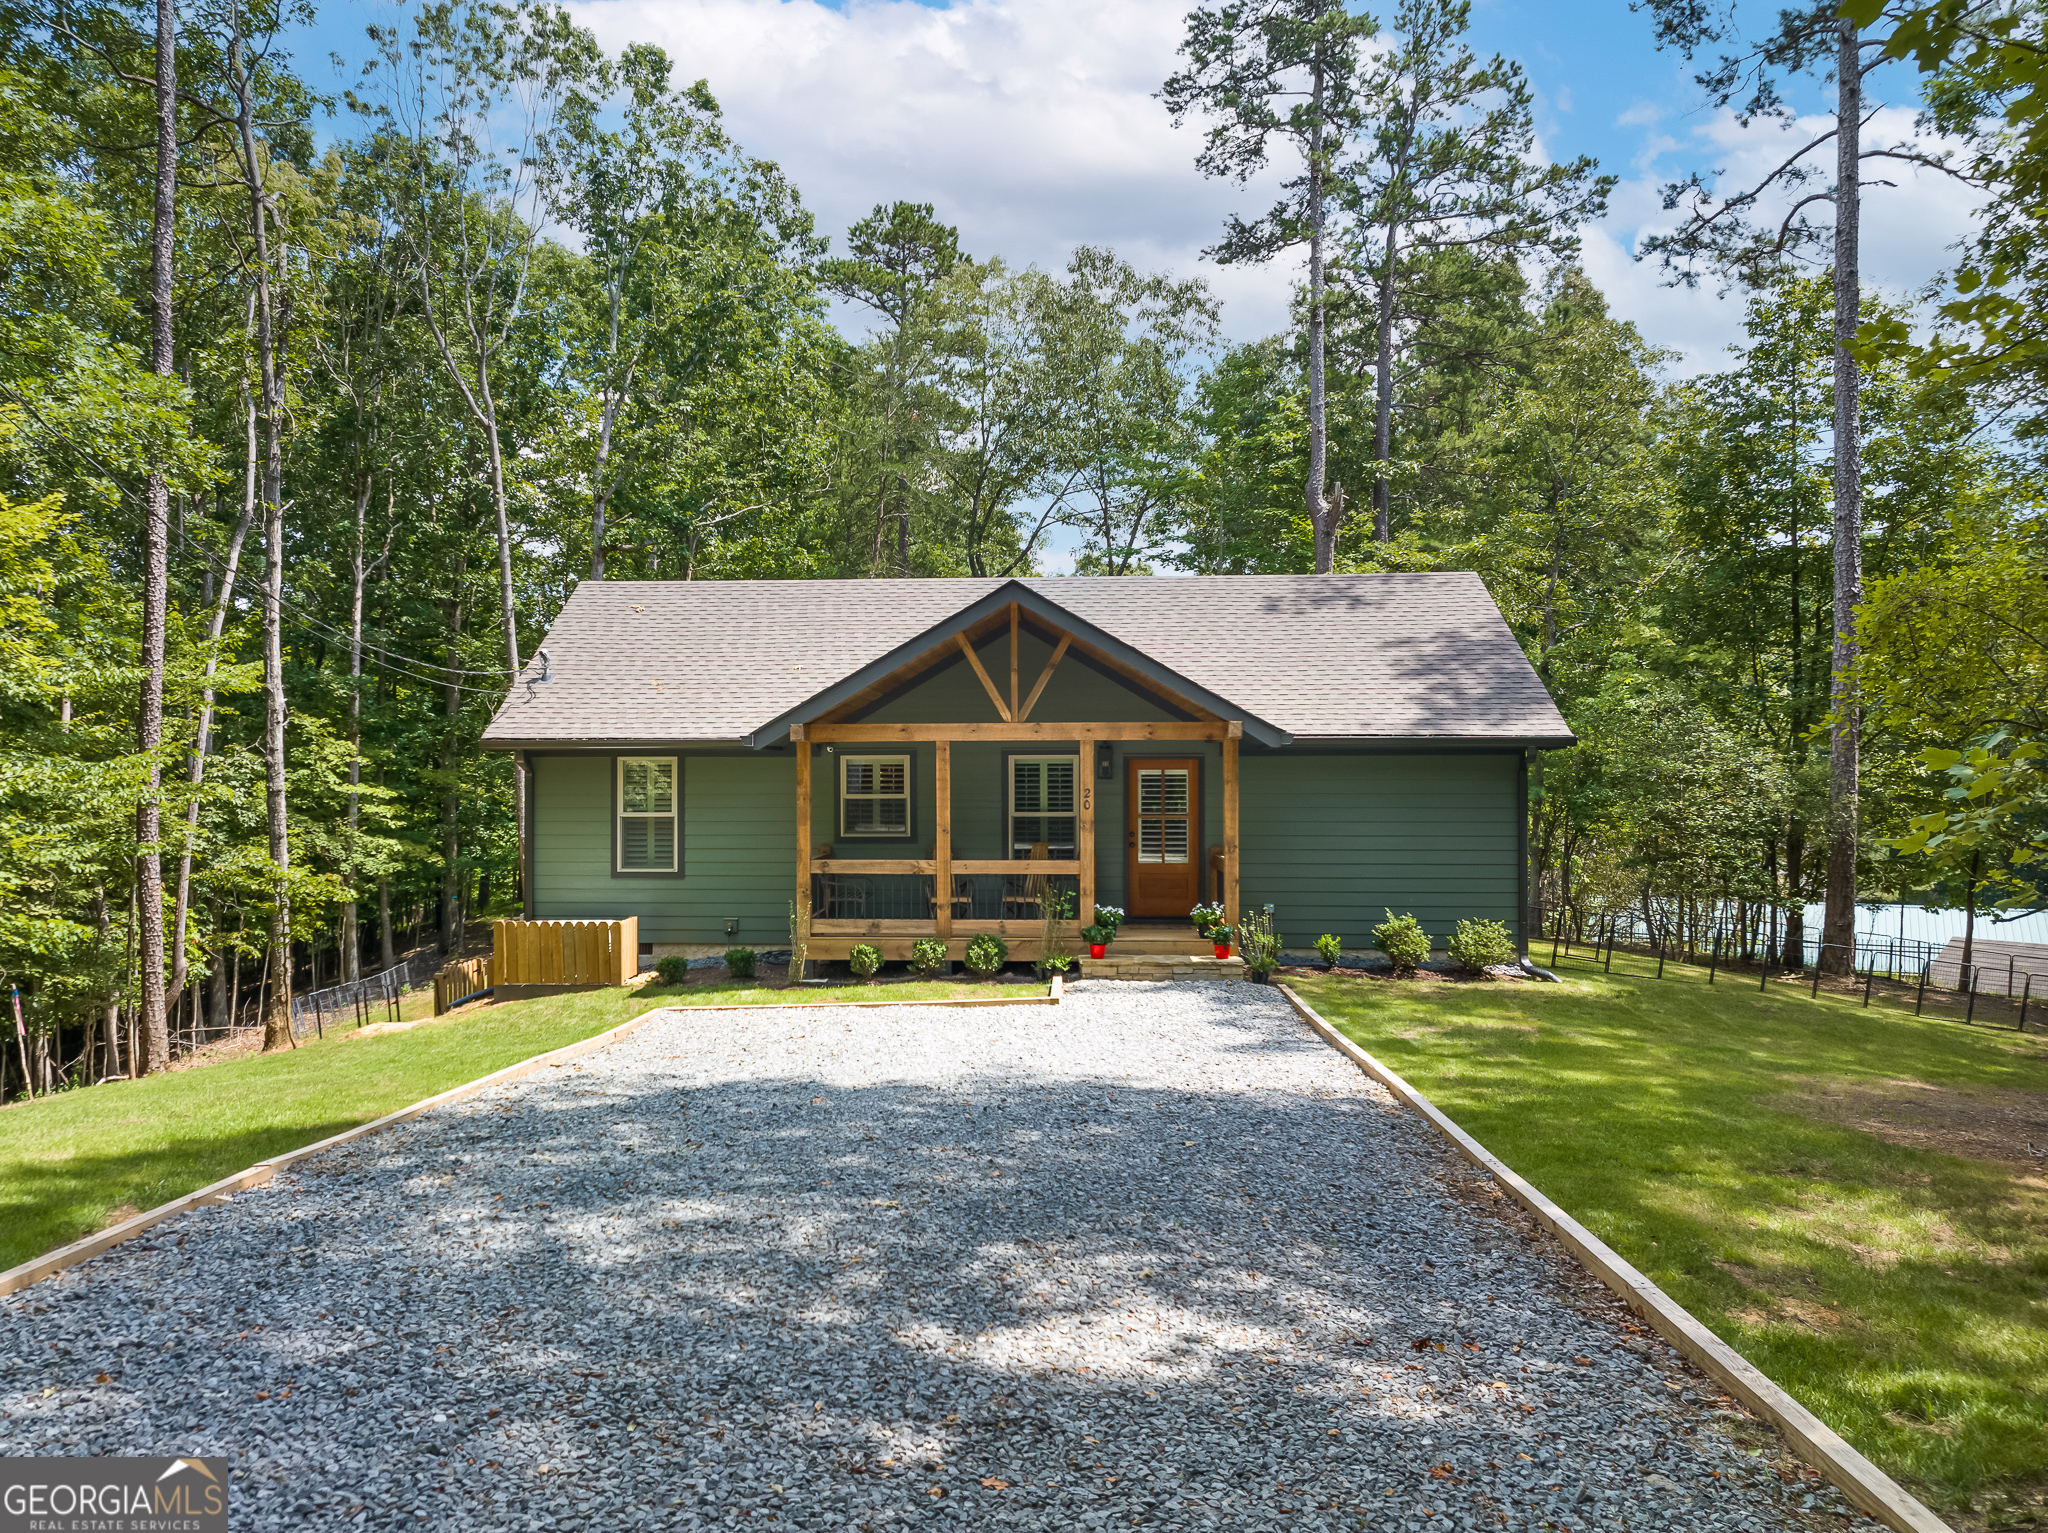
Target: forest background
304 438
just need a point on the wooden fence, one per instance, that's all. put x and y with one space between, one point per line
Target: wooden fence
565 952
459 981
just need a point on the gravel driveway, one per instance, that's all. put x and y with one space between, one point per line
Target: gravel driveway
1158 1257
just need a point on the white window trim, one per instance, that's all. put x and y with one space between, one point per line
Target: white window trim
1010 795
909 778
620 814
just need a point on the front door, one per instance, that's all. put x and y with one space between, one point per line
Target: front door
1163 865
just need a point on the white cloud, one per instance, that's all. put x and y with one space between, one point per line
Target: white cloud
1031 124
1908 234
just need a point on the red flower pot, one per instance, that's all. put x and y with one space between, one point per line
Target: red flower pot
1097 949
1222 950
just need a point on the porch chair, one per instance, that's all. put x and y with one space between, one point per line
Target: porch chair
841 898
963 897
1024 893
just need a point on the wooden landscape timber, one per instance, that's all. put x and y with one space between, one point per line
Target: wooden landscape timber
1867 1487
50 1263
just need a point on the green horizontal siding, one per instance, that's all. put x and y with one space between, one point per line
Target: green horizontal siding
1334 842
1331 842
739 850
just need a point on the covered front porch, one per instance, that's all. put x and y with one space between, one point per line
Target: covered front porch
1068 804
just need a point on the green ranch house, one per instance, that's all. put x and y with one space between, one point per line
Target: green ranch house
922 758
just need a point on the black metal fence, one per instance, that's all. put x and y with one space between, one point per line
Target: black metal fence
1989 995
373 998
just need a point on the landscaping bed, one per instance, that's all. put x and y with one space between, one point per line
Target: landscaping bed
1854 1199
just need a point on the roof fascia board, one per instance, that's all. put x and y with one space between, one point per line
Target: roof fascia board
1330 745
777 729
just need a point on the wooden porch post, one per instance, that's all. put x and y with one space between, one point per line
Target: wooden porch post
802 747
942 848
1013 660
1084 831
1230 795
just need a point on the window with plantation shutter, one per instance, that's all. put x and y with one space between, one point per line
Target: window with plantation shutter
1042 804
647 815
874 796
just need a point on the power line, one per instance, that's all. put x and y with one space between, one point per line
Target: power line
426 672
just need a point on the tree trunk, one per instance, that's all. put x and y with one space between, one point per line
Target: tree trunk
1838 928
1319 516
451 797
202 736
219 1007
1383 399
1970 921
156 1052
1795 893
277 1027
347 940
384 921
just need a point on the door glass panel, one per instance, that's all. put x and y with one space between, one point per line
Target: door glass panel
1163 833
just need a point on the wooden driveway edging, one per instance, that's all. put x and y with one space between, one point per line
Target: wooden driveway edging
14 1279
1866 1486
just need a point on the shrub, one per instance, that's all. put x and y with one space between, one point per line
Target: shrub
739 962
1206 918
1059 914
1257 943
1403 940
672 970
1479 944
928 956
864 960
1330 949
987 953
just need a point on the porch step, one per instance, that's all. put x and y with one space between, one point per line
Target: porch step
1154 941
1162 966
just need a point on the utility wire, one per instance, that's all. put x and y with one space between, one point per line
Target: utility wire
427 672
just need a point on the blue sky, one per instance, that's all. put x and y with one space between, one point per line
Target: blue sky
1032 124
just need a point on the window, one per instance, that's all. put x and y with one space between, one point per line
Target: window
647 814
1042 804
1163 814
874 796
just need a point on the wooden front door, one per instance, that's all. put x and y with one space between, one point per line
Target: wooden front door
1162 841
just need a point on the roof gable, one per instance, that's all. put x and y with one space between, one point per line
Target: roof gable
942 634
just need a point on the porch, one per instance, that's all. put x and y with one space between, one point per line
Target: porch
1054 779
892 902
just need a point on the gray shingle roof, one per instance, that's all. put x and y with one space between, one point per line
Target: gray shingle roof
1407 657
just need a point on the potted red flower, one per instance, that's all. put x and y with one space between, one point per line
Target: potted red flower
1221 935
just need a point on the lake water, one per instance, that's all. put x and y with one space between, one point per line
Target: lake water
1917 923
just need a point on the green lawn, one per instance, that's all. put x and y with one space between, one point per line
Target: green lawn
70 1164
1707 1134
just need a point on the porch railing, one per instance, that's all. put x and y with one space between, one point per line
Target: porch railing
842 896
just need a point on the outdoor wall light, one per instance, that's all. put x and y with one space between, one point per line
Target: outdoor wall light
1105 768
